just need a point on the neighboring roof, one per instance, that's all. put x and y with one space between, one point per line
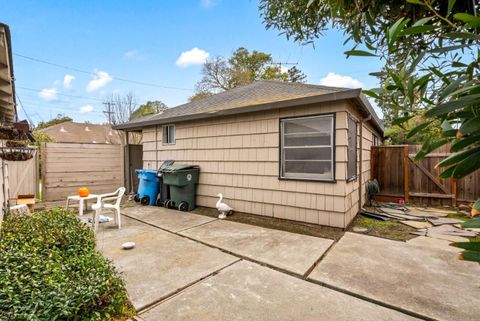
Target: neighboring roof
257 96
70 132
8 110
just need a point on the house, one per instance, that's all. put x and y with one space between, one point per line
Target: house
71 132
8 112
292 151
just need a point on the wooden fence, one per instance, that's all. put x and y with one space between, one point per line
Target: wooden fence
400 177
67 166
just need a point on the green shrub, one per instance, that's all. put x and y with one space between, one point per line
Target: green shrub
50 270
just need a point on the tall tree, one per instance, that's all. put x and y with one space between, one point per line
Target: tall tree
149 108
431 55
57 120
119 108
243 67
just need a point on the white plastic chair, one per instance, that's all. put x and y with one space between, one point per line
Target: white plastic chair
114 199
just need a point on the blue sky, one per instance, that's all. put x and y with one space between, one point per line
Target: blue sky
143 41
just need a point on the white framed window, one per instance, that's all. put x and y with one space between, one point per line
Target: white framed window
352 148
307 147
169 134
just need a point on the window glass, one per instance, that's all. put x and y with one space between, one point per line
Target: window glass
307 147
169 134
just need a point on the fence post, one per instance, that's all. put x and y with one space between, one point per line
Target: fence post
406 189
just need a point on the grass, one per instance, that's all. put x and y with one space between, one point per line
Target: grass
391 229
277 224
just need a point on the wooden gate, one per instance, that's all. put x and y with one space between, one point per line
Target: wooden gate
400 177
23 177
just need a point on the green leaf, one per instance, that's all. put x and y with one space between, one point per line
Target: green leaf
470 126
395 29
417 129
416 30
464 142
476 205
453 105
422 81
471 246
473 223
371 93
473 256
467 166
377 74
447 173
462 35
458 64
310 3
447 49
429 147
451 88
410 90
457 157
422 21
446 126
469 19
362 53
451 3
416 2
401 120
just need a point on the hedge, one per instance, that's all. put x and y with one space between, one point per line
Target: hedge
50 270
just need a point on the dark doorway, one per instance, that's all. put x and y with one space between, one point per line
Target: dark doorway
135 159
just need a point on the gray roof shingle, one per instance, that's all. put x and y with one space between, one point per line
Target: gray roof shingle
264 94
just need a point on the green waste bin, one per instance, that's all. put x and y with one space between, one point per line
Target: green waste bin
182 180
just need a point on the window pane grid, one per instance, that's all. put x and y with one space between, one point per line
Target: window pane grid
307 147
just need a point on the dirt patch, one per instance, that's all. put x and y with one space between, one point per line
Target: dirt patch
392 229
277 224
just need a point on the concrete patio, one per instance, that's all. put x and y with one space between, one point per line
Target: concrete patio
192 267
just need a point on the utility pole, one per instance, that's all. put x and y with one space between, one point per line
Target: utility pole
109 111
280 64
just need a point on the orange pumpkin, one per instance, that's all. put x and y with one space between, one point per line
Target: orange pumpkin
83 192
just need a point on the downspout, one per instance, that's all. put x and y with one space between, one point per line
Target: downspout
360 185
156 146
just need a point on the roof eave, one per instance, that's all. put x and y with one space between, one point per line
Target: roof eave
8 37
346 94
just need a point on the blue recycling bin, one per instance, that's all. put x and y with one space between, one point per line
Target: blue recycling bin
148 183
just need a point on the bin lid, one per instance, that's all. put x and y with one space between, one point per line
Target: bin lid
178 167
145 171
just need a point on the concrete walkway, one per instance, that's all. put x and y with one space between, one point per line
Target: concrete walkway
191 267
426 280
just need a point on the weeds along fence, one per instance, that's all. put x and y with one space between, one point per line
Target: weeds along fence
418 182
65 167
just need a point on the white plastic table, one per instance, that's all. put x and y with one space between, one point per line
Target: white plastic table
82 201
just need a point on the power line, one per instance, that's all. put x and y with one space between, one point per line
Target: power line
24 110
94 74
66 95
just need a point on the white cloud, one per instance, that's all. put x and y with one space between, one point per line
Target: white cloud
336 80
133 54
101 79
49 94
86 109
193 56
67 81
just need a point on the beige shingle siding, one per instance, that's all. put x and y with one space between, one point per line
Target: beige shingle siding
239 156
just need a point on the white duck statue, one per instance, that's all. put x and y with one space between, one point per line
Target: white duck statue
223 208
